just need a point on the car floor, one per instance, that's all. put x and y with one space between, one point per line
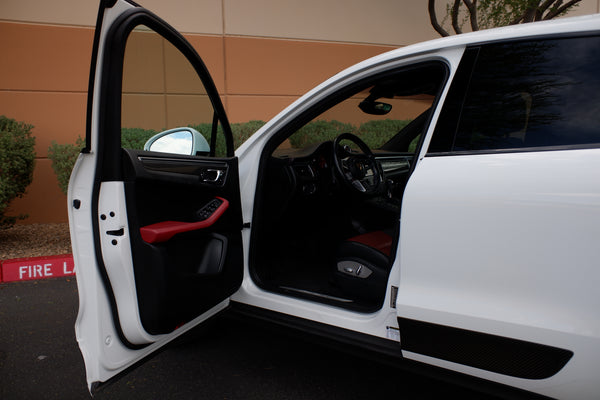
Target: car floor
306 271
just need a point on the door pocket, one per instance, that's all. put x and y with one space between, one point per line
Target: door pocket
213 255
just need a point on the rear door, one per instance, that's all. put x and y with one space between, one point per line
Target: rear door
501 218
156 235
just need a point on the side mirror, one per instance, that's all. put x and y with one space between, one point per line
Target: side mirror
186 141
375 107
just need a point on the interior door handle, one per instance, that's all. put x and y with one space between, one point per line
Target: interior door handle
212 175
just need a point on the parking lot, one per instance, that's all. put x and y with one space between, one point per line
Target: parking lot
39 359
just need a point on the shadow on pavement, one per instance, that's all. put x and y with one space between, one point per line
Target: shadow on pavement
39 358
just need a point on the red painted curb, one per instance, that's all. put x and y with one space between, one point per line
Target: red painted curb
34 268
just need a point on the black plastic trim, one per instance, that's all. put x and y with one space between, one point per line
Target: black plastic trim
370 347
537 149
545 36
90 98
445 129
499 354
104 4
340 335
184 166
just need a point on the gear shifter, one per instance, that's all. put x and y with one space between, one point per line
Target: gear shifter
389 187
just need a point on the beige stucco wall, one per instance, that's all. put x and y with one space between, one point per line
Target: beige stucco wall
392 22
263 54
377 21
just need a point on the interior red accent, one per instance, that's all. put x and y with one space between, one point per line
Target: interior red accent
163 231
378 240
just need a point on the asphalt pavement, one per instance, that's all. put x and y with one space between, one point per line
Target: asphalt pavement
39 359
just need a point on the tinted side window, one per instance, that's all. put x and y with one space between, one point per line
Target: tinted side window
532 94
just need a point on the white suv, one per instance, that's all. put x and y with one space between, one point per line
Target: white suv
439 203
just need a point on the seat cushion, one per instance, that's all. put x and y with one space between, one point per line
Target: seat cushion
378 240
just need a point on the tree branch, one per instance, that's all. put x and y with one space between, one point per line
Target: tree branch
433 19
516 20
546 4
540 8
526 16
561 9
472 7
529 14
455 17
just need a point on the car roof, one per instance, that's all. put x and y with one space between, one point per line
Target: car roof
581 24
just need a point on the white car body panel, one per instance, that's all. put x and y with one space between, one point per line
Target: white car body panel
539 284
550 273
116 252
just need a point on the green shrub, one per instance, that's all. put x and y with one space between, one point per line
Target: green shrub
374 133
243 130
17 159
206 129
134 138
319 131
63 157
377 132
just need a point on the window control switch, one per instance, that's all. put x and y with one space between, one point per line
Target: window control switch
208 209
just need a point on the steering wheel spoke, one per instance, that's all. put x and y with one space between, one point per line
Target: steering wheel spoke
358 185
358 171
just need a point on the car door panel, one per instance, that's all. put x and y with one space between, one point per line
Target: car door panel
174 266
136 295
500 266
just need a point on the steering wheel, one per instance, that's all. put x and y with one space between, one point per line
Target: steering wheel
359 171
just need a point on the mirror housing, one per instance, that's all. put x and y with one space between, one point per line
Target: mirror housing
183 140
375 107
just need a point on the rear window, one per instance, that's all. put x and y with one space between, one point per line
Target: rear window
531 94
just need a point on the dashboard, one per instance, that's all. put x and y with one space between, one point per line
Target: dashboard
310 170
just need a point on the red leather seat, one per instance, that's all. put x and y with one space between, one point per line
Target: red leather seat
378 240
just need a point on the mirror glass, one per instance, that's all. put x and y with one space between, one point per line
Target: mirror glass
176 142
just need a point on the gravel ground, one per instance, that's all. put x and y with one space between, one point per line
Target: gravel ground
34 240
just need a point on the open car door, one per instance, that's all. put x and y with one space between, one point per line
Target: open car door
155 228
